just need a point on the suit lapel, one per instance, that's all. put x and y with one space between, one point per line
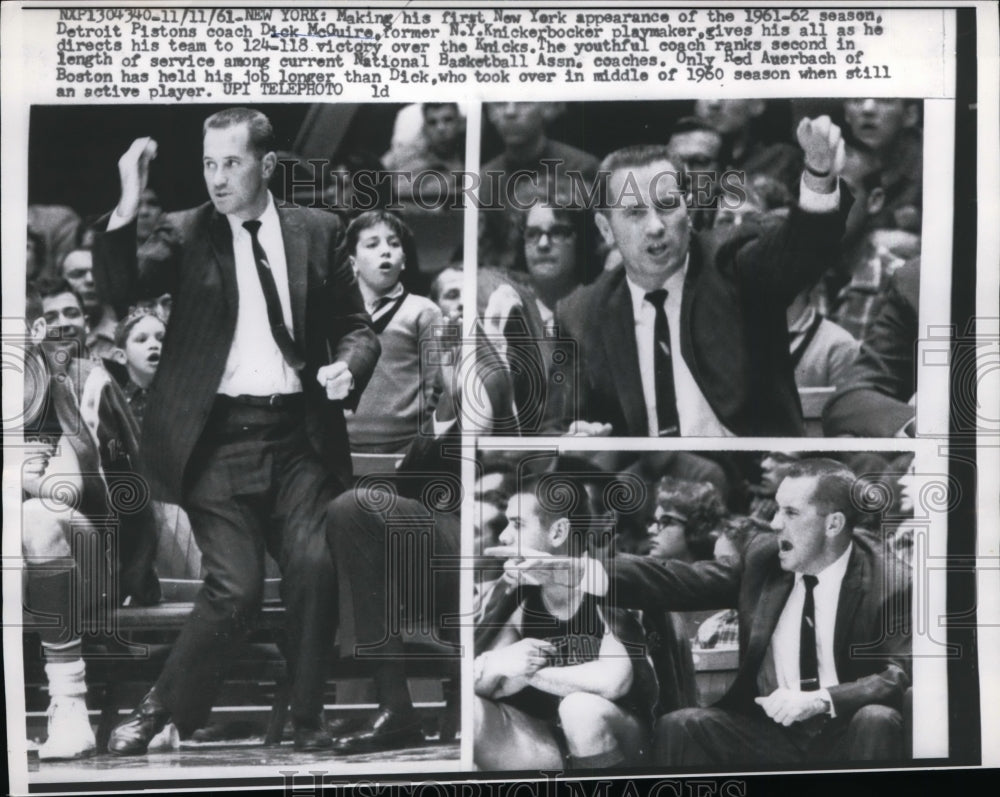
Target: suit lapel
851 589
772 601
293 233
622 354
687 303
221 237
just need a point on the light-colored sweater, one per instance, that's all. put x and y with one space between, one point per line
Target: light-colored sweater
400 394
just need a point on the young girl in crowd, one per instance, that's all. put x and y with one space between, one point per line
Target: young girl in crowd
138 343
400 395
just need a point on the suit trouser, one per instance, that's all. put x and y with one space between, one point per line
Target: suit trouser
697 736
397 565
254 485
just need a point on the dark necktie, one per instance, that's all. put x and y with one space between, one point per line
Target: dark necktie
808 661
667 421
274 315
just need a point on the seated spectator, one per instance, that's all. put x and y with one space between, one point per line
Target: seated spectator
400 395
684 527
440 148
354 185
686 520
889 129
65 322
149 217
557 244
58 227
882 253
697 147
77 268
81 446
773 467
745 148
821 350
877 392
521 126
35 257
900 537
490 495
446 293
138 343
565 670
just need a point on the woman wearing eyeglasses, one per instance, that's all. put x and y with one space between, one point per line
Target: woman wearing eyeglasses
557 249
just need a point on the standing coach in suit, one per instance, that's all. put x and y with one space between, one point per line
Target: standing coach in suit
823 633
268 341
686 340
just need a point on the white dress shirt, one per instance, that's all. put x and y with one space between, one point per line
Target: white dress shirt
255 366
697 418
784 647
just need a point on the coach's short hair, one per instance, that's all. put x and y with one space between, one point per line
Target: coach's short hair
635 157
834 488
692 124
258 126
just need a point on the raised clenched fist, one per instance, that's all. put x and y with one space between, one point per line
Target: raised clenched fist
823 145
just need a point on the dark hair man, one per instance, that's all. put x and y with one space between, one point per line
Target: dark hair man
566 669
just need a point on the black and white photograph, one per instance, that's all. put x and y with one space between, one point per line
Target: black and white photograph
345 380
674 609
770 288
220 379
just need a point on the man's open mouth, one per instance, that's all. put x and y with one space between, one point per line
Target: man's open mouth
785 546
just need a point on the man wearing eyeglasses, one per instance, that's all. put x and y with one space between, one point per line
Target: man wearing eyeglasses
683 342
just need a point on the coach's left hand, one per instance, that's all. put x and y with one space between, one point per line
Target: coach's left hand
336 380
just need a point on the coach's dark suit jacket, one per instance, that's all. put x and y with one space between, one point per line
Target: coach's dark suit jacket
871 650
195 263
734 335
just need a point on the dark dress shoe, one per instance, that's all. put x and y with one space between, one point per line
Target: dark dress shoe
312 736
132 737
391 729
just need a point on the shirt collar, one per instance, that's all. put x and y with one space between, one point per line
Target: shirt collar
673 284
834 572
376 300
266 219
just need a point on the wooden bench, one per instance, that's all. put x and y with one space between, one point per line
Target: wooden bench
714 672
140 639
813 401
